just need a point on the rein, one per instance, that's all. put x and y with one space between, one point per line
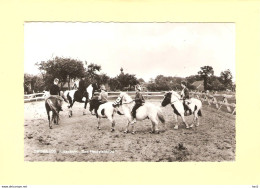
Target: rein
127 102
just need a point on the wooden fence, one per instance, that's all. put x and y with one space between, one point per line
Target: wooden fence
218 101
34 97
213 100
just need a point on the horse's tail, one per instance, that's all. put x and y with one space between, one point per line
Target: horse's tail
51 105
160 116
199 113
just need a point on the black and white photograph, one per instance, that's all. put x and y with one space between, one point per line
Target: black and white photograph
129 92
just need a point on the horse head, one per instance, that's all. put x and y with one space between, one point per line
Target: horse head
166 99
118 100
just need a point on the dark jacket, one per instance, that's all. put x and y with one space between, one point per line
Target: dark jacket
54 90
82 86
185 93
139 99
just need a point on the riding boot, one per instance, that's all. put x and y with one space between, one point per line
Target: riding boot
134 117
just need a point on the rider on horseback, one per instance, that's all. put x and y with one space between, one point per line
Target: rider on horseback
139 101
185 97
55 91
98 100
103 95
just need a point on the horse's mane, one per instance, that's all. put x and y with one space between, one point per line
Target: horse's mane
174 93
125 97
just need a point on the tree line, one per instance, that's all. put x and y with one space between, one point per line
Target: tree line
68 69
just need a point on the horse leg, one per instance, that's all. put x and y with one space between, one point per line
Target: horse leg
133 128
197 118
154 126
58 118
48 113
127 126
52 118
176 122
70 108
129 119
111 119
194 118
84 111
99 119
183 120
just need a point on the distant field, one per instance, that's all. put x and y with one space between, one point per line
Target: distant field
77 139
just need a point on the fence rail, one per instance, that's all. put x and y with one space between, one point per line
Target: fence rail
34 97
211 100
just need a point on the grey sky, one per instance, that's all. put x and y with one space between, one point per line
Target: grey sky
143 49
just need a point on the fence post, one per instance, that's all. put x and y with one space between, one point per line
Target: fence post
214 100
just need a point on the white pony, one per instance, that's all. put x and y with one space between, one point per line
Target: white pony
148 110
174 99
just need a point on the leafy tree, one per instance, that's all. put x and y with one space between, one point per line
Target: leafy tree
126 81
64 69
141 81
123 81
164 83
206 72
102 79
226 78
91 74
114 84
215 84
33 83
193 78
152 87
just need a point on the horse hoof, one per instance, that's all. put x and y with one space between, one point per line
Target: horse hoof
98 128
151 132
191 125
133 132
176 127
125 132
112 130
187 127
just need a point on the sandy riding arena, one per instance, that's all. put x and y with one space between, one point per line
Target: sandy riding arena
78 139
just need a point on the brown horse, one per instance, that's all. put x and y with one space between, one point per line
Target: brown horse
53 104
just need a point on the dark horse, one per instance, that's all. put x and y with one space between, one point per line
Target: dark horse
73 96
53 104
